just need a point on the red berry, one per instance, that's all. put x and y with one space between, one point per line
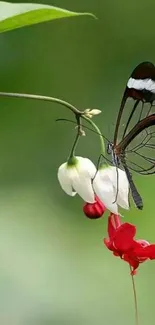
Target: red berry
94 210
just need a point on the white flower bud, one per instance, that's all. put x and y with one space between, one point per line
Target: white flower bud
95 112
76 177
107 187
91 112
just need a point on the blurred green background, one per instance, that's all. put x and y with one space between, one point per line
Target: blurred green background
54 268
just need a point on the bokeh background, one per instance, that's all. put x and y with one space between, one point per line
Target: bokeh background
54 268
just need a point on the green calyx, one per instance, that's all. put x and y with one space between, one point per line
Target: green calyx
103 166
72 161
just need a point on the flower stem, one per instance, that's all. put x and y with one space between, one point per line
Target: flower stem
80 132
102 144
44 98
135 298
72 153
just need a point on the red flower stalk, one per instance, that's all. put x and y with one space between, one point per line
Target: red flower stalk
122 243
94 210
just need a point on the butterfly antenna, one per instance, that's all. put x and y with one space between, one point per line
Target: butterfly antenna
86 127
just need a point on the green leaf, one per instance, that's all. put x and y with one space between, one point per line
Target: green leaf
16 15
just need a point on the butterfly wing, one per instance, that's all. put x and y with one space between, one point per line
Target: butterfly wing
140 88
138 146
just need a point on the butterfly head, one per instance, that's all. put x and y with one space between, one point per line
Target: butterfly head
111 150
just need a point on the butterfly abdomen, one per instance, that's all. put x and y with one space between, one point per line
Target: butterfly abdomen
135 194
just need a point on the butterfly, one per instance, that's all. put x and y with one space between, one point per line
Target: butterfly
137 137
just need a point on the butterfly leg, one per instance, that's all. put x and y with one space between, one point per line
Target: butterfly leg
117 184
99 163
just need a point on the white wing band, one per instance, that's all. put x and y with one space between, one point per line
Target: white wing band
141 84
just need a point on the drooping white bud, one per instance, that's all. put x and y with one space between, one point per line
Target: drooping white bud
112 188
76 177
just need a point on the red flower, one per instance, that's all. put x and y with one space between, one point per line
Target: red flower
94 210
122 243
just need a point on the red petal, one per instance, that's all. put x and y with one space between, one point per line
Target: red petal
147 252
143 242
136 247
111 228
134 252
133 263
117 221
123 240
108 244
133 272
113 224
116 254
